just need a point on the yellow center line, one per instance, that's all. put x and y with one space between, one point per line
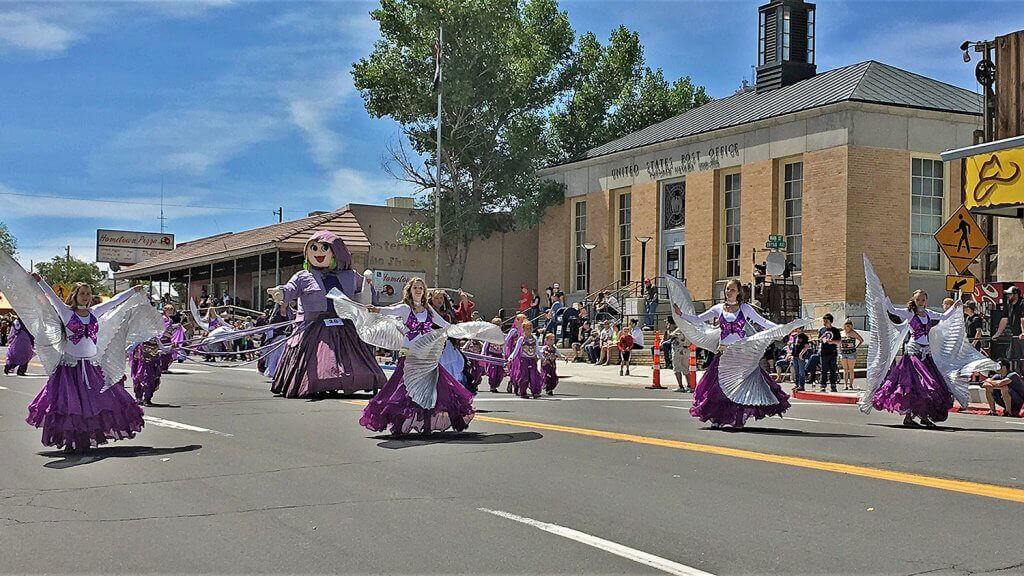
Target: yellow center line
962 486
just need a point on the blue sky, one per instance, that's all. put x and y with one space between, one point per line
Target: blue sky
243 107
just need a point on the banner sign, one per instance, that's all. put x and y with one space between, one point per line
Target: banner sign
124 247
390 283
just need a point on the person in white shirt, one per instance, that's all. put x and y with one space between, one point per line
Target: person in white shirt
637 333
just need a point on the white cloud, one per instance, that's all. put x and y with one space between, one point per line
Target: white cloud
186 142
144 213
312 111
348 186
32 33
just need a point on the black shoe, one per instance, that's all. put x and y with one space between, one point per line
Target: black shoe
834 389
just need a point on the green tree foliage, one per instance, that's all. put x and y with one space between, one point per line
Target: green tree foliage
61 269
519 92
8 243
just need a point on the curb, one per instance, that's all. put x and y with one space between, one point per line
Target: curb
834 398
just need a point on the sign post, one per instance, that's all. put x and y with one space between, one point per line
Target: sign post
961 239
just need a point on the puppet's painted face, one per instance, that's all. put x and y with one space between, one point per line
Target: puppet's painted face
319 255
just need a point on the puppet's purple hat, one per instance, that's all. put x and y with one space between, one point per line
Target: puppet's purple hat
342 256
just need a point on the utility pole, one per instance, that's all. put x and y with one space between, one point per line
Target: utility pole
438 54
280 214
67 264
161 218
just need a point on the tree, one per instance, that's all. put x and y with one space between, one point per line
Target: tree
8 243
504 63
613 94
520 93
70 271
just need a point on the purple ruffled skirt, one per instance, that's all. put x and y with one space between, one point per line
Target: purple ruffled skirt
19 352
914 386
73 412
549 375
392 408
146 372
710 404
321 358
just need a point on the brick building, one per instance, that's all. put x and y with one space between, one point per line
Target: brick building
841 163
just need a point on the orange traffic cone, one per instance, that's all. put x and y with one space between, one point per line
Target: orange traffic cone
656 364
691 377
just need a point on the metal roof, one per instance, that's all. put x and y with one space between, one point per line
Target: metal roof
869 81
291 235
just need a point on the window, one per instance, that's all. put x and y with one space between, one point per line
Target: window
732 225
580 223
760 39
926 196
793 190
674 206
810 36
625 236
785 32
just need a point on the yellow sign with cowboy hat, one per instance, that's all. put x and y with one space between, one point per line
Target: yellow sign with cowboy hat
62 290
994 178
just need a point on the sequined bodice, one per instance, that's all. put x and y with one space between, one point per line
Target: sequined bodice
920 327
737 326
78 329
417 328
530 347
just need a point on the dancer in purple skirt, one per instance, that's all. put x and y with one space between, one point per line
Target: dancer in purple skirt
935 367
510 344
523 363
324 354
734 386
548 367
82 347
495 370
20 350
421 395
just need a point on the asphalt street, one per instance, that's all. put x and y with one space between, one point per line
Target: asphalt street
226 478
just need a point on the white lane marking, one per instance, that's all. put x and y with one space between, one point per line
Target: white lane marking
640 557
4 388
179 426
174 371
800 419
242 369
676 407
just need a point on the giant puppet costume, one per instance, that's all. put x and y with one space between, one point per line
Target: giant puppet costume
734 386
421 395
82 348
935 368
324 353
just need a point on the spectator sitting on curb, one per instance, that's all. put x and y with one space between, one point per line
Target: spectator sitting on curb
1010 387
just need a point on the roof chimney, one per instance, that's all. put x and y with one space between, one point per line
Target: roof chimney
400 202
785 43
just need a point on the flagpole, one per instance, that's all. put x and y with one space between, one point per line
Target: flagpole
437 186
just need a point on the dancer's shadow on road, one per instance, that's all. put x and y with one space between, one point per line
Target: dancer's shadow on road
949 428
158 405
97 454
473 438
788 432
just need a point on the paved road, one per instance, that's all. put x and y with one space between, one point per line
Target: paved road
598 480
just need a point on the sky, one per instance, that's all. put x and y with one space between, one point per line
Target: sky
234 109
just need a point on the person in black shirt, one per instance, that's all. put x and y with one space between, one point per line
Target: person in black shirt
974 324
1010 327
828 337
798 349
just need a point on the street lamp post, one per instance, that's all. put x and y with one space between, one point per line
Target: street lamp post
643 240
588 248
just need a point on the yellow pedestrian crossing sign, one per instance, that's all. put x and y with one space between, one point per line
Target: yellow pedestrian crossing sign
62 290
961 239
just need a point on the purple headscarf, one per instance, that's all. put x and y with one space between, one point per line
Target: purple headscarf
342 257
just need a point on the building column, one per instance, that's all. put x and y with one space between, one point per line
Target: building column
211 283
277 266
259 283
234 281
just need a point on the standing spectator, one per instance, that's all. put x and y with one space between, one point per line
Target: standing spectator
974 325
1010 387
637 334
680 349
524 299
549 294
571 325
947 303
227 299
666 344
1013 324
798 351
550 323
851 339
612 304
606 344
625 345
828 338
650 304
581 338
464 311
534 304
